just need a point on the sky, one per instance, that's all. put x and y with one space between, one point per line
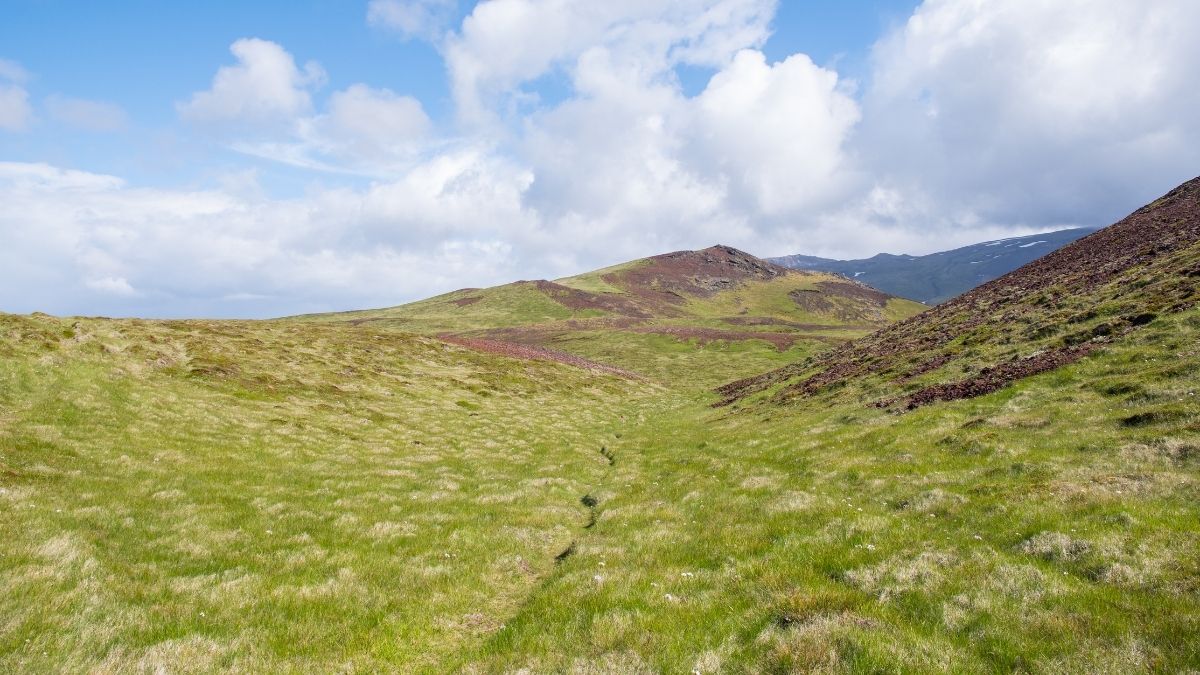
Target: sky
231 159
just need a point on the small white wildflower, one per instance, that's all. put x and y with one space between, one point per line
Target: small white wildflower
978 538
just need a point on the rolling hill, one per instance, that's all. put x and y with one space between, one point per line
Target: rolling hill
546 477
719 285
626 315
937 277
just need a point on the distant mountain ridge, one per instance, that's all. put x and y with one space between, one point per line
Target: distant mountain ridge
937 277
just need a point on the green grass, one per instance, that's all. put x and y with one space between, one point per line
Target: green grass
515 304
267 496
309 496
524 304
1034 528
593 282
681 362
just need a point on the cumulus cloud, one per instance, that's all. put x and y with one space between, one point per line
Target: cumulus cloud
373 132
505 43
265 85
426 19
1037 113
15 112
777 131
87 115
265 109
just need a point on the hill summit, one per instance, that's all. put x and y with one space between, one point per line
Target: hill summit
643 315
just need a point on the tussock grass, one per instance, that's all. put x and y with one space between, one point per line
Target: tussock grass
289 496
208 496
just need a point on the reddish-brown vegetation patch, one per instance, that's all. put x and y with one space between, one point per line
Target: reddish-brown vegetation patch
781 341
545 333
926 367
575 299
672 277
994 378
866 303
470 300
530 352
855 290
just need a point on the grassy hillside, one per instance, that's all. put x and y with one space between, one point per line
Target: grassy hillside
257 496
1048 527
657 315
341 495
1056 310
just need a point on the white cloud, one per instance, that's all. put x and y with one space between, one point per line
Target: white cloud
264 86
632 168
426 19
506 43
364 131
15 112
1039 113
87 115
375 121
87 243
777 131
265 108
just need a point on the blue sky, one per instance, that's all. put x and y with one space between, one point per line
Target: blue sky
258 159
145 56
